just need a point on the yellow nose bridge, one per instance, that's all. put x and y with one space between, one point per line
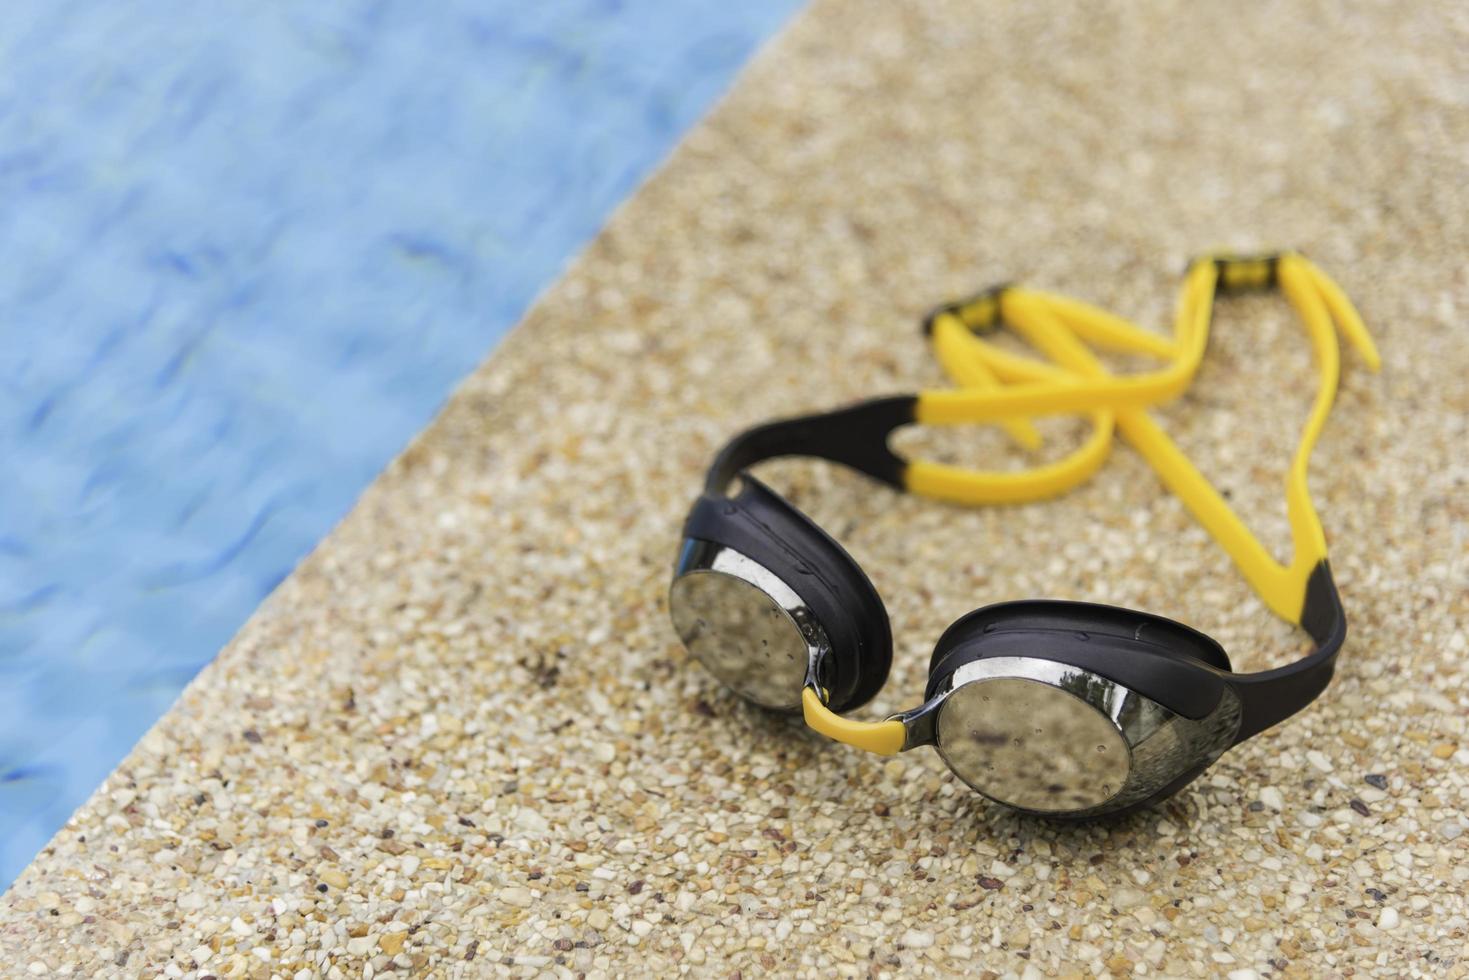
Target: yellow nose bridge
882 737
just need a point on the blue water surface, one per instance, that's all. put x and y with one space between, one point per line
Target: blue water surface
246 250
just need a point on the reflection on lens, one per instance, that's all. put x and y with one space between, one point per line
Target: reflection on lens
1027 744
742 636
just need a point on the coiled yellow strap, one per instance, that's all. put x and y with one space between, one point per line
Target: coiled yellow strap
1058 327
995 385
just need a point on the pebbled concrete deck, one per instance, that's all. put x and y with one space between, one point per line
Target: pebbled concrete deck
461 738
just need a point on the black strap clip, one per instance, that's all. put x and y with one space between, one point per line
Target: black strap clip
1243 273
980 312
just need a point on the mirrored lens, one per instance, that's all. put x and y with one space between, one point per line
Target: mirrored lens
742 636
1030 745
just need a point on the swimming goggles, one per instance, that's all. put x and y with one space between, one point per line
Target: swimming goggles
1064 709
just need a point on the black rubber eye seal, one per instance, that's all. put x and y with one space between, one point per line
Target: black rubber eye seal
766 528
1164 661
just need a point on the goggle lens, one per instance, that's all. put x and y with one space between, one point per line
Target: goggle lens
742 636
1031 745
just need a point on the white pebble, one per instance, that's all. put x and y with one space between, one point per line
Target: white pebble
1270 796
519 897
528 819
917 939
1388 919
1318 759
1126 898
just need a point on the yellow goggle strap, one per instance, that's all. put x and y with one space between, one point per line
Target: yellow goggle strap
980 368
1081 393
1301 592
1283 588
1056 326
1003 386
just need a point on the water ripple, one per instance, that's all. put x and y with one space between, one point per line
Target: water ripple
245 259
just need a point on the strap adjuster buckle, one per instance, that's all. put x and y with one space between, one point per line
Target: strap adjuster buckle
980 312
1244 272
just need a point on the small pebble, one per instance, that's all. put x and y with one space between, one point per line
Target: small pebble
1126 898
517 896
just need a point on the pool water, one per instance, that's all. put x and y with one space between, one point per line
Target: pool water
246 250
